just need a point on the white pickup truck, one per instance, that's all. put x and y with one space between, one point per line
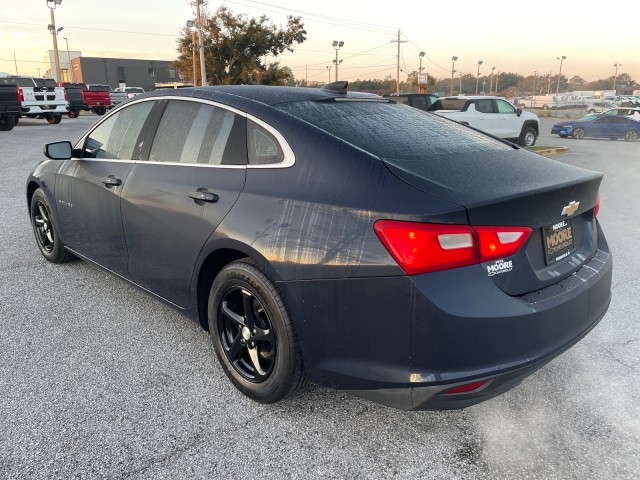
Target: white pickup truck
39 97
492 115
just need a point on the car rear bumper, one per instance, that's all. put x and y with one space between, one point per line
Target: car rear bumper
403 341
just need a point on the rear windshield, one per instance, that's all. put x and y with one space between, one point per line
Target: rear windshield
99 88
19 81
45 82
396 133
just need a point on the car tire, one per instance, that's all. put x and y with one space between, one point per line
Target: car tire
578 133
99 110
631 136
54 119
252 334
73 113
45 229
8 123
527 137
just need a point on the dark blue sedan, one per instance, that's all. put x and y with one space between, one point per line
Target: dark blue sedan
599 126
335 237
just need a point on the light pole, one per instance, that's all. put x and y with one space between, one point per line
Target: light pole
453 71
491 80
329 68
562 58
52 4
69 60
484 85
478 76
421 56
203 68
497 78
337 44
615 76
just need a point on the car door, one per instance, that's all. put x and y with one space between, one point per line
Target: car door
171 204
508 126
486 117
88 188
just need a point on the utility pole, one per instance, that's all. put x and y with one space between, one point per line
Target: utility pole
203 70
533 90
398 62
15 62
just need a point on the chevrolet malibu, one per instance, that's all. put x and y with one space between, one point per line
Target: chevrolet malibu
334 237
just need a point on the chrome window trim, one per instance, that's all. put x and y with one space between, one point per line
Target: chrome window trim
289 156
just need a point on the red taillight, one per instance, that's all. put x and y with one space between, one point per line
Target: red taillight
65 94
20 94
467 387
427 247
596 209
500 242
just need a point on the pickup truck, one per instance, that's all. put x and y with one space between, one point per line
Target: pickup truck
116 97
493 115
9 106
417 100
39 97
92 100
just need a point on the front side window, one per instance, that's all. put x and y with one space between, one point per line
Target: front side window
116 137
505 107
197 133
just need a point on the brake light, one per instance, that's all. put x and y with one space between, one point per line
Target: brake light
65 94
596 209
427 247
20 94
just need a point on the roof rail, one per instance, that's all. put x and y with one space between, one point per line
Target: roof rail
336 87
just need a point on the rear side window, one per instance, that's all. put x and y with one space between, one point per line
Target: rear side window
263 147
197 133
116 137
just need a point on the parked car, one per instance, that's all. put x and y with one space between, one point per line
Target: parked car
599 126
130 91
81 97
417 100
335 237
39 97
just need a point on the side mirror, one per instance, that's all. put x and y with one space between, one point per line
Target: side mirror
518 111
58 150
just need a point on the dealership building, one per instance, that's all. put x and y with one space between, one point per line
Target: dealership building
115 72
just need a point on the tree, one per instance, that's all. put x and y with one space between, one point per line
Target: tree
236 48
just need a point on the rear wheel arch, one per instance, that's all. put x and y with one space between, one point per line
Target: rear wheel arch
212 264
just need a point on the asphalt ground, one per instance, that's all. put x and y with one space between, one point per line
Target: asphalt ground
98 380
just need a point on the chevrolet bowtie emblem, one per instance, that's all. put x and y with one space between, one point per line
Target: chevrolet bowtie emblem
570 209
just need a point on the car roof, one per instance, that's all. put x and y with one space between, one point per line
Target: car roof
265 94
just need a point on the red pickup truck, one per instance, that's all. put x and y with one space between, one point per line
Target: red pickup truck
81 98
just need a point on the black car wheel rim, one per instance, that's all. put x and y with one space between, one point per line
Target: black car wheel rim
246 334
43 228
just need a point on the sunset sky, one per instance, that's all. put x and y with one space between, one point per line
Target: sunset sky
515 37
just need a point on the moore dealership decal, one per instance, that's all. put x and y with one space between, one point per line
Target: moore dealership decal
499 266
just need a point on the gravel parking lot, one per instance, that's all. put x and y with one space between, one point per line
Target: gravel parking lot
98 380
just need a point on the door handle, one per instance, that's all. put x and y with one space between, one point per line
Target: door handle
111 181
204 196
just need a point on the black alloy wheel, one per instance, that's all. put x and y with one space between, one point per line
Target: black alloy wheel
45 229
252 334
246 334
